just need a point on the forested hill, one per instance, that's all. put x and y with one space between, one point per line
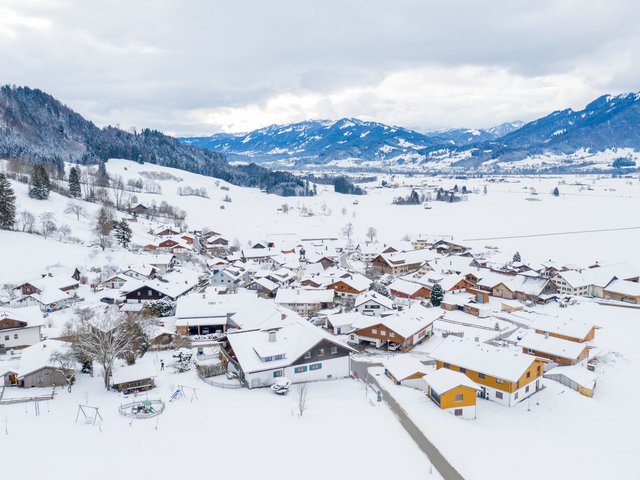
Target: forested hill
36 127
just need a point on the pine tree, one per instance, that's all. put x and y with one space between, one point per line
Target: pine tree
74 183
123 233
437 294
40 185
7 204
516 257
102 176
556 192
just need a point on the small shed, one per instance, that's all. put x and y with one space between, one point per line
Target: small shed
575 377
36 367
133 378
406 370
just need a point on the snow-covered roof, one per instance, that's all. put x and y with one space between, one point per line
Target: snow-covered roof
356 281
32 316
552 345
498 362
577 373
132 373
624 287
403 366
404 286
38 356
405 323
568 328
289 296
408 258
443 380
294 336
373 297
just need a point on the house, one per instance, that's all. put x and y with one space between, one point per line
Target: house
572 282
402 330
623 291
115 281
406 370
403 289
340 323
366 252
373 304
20 327
305 302
37 369
290 348
140 272
505 376
48 300
511 306
133 378
453 391
152 290
140 209
449 248
351 285
557 350
571 330
575 377
163 263
166 231
265 287
401 263
427 241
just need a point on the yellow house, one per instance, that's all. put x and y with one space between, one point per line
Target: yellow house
504 376
453 391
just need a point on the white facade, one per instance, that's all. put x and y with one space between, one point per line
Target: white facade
510 399
308 372
372 308
19 337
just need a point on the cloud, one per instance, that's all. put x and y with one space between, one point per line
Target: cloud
246 64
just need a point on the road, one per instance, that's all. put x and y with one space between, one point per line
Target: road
440 463
551 234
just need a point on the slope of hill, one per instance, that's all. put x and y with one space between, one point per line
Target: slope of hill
35 126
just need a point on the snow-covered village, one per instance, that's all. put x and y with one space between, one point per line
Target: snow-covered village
245 291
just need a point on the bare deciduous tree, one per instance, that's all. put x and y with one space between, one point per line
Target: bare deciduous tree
66 363
26 220
119 190
104 226
302 391
372 233
47 223
105 335
347 231
74 209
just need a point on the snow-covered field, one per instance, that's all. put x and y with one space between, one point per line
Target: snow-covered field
223 433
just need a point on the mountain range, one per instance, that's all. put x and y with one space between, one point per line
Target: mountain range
35 127
592 138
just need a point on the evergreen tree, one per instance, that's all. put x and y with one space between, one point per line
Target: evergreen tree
7 204
516 257
74 183
123 233
40 185
556 192
102 176
437 294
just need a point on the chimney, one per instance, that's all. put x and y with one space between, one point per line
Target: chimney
272 335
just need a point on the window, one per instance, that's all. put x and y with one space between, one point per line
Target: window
459 397
528 374
6 337
334 350
383 333
392 334
463 370
278 357
481 375
321 352
499 380
15 336
457 412
315 366
374 331
268 359
516 396
499 395
300 369
530 350
308 354
527 389
277 373
149 292
446 365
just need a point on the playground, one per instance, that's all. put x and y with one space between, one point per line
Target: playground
142 409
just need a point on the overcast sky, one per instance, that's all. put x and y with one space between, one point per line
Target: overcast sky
203 66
